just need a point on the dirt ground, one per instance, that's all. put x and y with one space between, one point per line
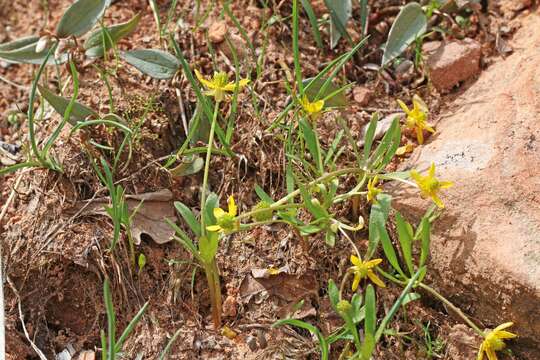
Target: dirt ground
55 257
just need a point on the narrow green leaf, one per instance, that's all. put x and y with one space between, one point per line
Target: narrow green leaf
315 89
397 304
370 133
165 351
385 144
189 217
323 345
388 249
263 195
79 112
370 320
405 237
425 236
311 141
111 317
395 140
155 63
410 23
80 17
410 297
94 43
130 327
377 218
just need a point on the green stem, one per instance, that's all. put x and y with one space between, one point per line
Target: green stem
207 165
439 297
214 287
260 211
453 307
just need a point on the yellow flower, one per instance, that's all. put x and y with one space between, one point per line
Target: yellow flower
363 269
416 117
402 150
312 109
429 185
373 190
494 341
220 85
226 221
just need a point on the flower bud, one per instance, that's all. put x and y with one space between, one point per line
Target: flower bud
344 306
42 43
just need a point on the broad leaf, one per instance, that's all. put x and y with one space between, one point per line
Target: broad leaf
188 167
155 63
94 44
340 13
333 294
80 17
19 43
410 23
24 51
79 112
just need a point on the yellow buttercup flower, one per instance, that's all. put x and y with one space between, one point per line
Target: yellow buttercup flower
226 221
494 341
312 109
220 85
402 150
363 269
417 117
373 190
430 186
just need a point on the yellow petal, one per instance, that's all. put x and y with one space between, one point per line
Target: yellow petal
355 260
445 184
419 135
219 213
501 334
419 104
437 201
375 279
491 354
480 353
375 180
503 326
372 263
243 83
432 170
416 176
203 81
429 128
233 210
232 85
213 228
356 282
403 106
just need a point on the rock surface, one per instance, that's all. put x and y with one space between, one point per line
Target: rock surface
452 62
486 245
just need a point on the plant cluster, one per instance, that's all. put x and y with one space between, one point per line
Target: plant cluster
314 174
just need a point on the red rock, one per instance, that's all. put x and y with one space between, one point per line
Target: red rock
485 253
453 62
362 95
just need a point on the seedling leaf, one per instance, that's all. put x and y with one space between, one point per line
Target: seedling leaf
80 17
